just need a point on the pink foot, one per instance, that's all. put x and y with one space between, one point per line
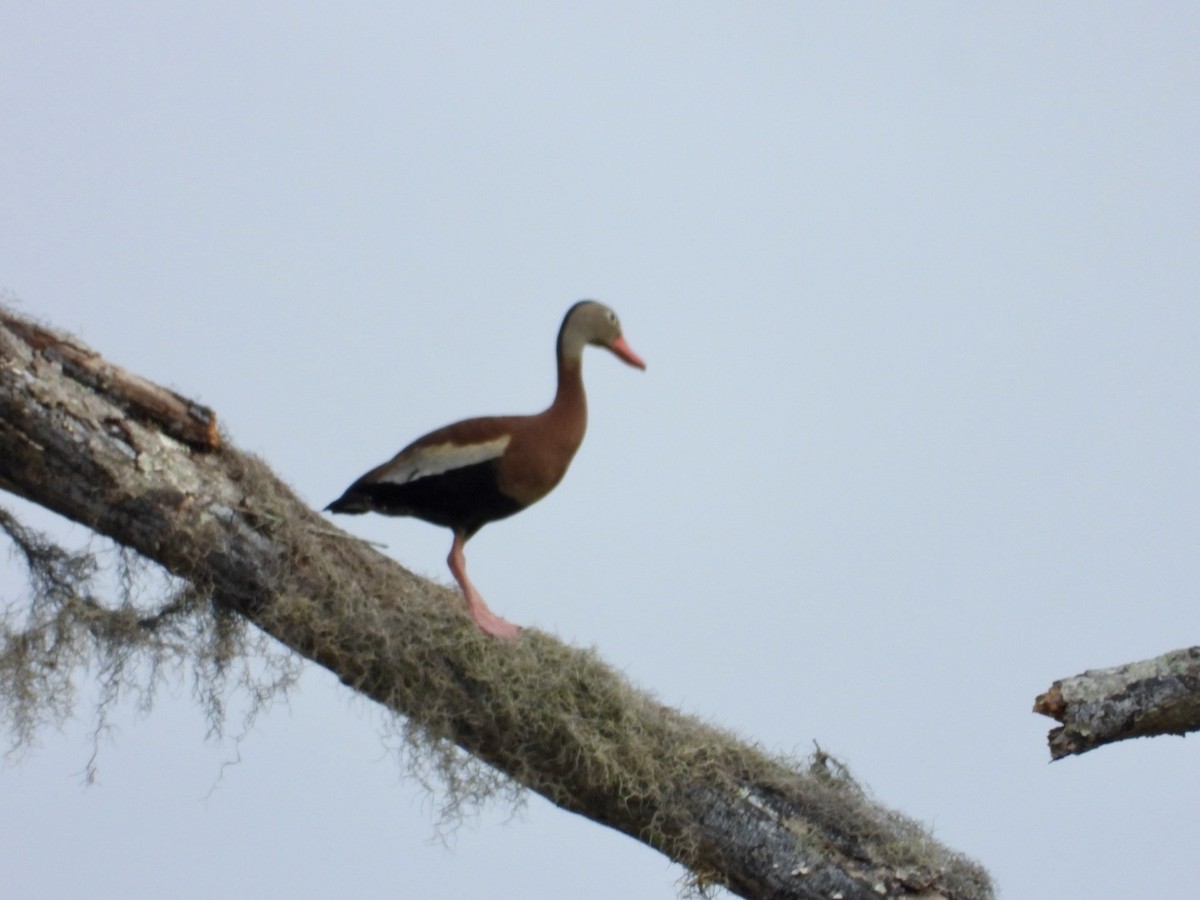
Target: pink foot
492 624
488 621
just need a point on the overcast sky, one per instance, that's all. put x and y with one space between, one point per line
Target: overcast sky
917 288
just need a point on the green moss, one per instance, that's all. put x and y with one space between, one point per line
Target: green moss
534 713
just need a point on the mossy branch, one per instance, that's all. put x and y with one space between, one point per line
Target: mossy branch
533 713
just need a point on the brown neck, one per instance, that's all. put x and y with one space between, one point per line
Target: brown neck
569 393
569 408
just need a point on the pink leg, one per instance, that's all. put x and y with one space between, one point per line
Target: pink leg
487 620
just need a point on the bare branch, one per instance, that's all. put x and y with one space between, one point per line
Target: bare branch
177 415
1141 699
550 717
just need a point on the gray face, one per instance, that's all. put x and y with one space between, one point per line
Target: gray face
603 326
589 322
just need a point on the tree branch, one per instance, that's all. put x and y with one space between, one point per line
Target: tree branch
1141 699
550 717
179 417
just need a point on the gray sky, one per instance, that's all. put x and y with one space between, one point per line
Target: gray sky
916 284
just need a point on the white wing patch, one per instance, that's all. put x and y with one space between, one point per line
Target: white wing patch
435 459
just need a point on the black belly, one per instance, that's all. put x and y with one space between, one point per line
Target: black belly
464 499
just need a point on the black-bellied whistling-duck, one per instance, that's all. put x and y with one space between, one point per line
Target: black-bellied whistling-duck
476 471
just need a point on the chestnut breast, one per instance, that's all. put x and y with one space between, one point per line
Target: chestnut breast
540 452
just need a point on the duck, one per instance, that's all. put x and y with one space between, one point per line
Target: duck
476 471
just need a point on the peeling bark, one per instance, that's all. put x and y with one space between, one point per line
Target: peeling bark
178 416
1141 699
104 448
